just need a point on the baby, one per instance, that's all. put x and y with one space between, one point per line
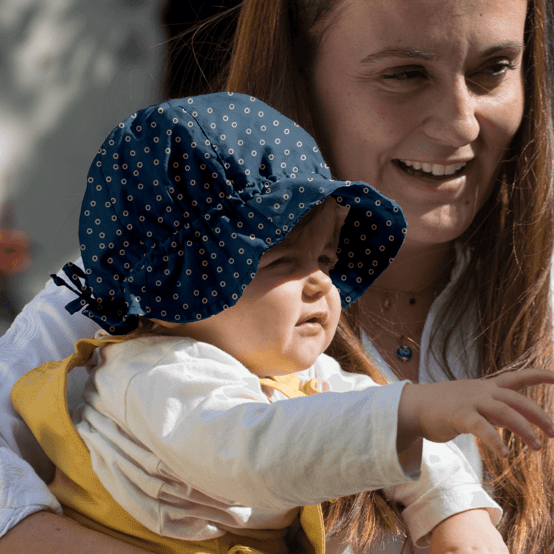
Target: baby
217 255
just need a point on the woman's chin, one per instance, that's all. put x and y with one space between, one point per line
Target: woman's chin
437 228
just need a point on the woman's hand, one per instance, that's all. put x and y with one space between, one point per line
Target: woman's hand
470 532
441 411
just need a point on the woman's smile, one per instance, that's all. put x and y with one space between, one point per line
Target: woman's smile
433 177
421 100
431 170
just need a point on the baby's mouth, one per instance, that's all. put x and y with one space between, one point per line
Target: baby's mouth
431 171
318 319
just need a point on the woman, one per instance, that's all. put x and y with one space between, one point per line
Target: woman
444 106
400 90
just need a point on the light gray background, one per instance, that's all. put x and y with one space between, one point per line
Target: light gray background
70 70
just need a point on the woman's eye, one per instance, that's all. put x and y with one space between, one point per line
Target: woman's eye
492 75
499 69
403 75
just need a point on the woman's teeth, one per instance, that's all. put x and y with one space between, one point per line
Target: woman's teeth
434 169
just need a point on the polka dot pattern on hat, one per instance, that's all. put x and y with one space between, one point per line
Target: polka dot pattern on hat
184 197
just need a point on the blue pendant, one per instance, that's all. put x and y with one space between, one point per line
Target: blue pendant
404 353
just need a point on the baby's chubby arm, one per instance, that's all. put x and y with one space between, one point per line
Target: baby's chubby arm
199 415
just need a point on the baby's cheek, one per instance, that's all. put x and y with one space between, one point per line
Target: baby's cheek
334 309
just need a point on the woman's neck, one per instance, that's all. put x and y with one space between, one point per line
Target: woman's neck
418 267
392 313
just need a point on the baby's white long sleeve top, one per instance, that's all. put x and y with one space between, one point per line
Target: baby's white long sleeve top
190 443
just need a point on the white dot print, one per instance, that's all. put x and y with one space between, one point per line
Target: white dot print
209 199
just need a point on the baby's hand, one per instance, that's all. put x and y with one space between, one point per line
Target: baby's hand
470 532
441 411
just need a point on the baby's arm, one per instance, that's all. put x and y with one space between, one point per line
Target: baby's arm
182 398
447 488
177 404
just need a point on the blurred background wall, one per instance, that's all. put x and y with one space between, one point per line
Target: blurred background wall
70 70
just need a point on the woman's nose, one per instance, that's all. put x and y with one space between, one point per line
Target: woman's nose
316 285
452 117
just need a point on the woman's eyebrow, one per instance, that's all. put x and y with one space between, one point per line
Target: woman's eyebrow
417 54
510 45
396 53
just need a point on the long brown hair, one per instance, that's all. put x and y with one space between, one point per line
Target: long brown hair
509 273
511 240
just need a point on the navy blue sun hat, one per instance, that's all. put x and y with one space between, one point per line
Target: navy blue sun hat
184 197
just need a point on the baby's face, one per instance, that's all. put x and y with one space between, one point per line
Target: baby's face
288 314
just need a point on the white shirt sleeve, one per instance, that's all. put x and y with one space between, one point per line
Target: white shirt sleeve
43 331
187 414
448 484
22 491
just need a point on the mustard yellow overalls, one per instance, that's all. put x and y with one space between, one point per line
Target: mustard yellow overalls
40 397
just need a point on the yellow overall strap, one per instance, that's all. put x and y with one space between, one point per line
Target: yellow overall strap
40 396
311 517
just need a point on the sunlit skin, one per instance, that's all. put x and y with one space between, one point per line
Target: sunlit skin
425 81
288 314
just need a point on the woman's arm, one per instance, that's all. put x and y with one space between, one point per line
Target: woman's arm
49 533
43 331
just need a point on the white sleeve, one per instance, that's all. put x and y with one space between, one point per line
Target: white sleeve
22 492
448 484
207 419
43 331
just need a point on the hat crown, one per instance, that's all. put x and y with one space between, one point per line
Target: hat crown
184 197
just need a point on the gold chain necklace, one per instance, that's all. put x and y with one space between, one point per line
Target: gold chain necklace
406 344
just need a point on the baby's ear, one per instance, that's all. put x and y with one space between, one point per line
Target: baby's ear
167 324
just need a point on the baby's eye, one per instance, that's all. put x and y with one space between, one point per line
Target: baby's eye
328 261
278 262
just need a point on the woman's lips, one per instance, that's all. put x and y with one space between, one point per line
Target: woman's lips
432 171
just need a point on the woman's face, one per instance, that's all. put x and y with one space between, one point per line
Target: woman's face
421 98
